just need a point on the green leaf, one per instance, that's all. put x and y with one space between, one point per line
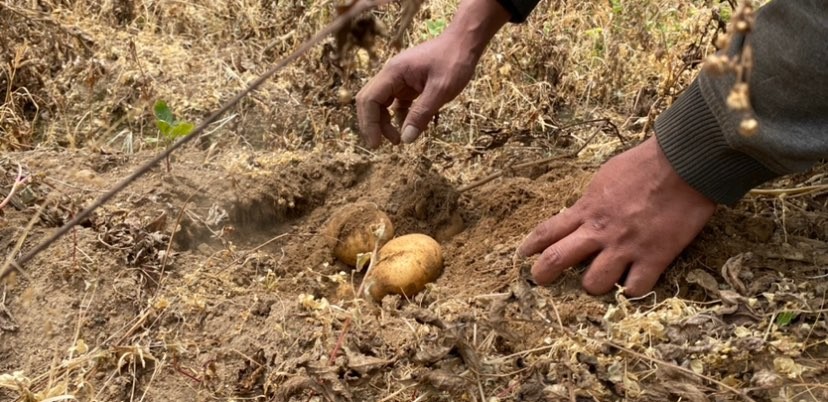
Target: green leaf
435 27
617 8
163 113
594 33
785 318
164 127
181 129
725 12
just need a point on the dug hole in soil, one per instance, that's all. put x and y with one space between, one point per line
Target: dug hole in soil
246 301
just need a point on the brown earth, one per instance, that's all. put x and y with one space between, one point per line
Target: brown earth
213 280
250 303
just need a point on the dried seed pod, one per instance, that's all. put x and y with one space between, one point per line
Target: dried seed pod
748 127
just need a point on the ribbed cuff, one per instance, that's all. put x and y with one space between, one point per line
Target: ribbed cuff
696 147
520 9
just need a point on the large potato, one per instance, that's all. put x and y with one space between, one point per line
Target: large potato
351 231
406 265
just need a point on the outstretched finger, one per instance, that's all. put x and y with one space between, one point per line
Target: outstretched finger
565 253
369 115
643 277
604 272
549 232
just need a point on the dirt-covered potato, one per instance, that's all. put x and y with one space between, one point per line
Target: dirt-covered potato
406 265
351 230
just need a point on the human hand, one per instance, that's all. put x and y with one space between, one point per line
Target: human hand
432 73
635 216
418 81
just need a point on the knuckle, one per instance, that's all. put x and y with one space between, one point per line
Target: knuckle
419 115
598 224
551 256
543 230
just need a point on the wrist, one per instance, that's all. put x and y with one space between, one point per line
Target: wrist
650 157
694 143
476 23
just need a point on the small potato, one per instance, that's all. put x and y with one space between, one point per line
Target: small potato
406 265
351 231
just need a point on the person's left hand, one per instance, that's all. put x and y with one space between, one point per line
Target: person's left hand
635 217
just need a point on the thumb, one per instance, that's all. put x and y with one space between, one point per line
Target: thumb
420 113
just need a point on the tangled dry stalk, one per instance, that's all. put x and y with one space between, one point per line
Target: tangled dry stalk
341 22
210 305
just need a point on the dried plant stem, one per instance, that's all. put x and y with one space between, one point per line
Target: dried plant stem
178 219
790 192
541 162
676 367
397 392
340 340
20 181
10 265
345 327
335 25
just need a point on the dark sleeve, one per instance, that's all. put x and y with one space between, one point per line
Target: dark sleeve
788 87
520 9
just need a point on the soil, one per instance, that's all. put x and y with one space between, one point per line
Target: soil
211 278
215 280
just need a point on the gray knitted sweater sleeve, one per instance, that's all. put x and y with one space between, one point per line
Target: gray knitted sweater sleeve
789 94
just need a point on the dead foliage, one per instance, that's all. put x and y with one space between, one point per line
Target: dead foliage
211 281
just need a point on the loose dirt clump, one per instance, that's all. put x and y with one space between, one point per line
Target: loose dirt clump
253 303
212 278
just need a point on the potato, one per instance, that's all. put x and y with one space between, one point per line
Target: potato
351 231
406 265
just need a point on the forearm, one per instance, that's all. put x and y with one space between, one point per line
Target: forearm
475 24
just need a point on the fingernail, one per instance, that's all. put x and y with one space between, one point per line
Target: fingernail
410 133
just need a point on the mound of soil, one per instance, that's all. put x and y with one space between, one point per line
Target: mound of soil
214 280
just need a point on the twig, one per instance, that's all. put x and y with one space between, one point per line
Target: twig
183 372
541 162
335 25
397 392
173 230
574 335
19 181
5 310
674 367
508 390
260 246
10 265
178 222
340 340
374 258
605 121
790 192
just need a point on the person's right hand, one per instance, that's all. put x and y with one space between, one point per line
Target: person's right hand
415 84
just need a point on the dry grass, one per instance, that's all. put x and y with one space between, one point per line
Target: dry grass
84 75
